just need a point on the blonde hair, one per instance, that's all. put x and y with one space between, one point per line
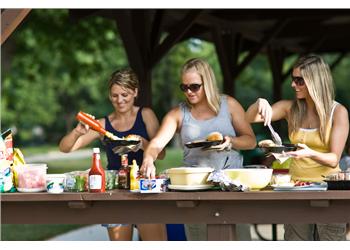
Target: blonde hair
319 82
126 78
202 68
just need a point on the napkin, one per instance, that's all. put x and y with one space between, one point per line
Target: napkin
280 157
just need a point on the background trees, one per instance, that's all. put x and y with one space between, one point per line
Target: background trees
52 68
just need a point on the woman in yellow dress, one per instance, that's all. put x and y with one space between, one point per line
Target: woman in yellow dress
320 127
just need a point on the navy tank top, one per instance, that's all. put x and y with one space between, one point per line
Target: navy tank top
139 128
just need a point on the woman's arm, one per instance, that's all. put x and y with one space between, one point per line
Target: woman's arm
78 138
167 130
339 135
152 126
262 111
245 138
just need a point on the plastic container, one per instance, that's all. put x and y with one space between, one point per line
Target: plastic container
31 177
189 176
110 176
55 183
77 181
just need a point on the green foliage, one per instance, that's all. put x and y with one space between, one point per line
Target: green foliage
58 69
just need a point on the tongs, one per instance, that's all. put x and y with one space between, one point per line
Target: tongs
275 137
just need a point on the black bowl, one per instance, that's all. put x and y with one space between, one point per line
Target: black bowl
338 185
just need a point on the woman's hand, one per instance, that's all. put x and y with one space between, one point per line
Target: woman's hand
304 152
81 129
264 110
148 170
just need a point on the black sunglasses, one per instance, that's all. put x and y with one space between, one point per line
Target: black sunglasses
194 87
298 80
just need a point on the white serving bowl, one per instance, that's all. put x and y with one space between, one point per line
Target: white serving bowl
255 179
189 176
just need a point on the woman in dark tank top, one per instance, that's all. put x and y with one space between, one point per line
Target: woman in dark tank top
126 119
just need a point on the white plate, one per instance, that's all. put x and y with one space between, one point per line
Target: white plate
190 187
31 190
301 188
284 185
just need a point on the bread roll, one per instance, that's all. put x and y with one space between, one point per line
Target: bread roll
266 143
215 136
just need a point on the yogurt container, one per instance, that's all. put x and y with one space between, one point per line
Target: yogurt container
55 183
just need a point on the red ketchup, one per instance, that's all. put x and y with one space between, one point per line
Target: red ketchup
93 124
97 181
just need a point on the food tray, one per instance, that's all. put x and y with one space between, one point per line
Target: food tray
338 185
280 149
202 144
121 142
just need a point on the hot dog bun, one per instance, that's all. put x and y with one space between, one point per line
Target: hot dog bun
266 143
132 137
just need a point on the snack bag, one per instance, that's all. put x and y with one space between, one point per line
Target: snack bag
7 137
18 160
6 175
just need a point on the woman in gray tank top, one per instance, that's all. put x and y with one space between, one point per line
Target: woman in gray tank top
204 112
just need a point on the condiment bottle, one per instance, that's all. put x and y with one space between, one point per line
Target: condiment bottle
134 177
124 173
97 181
93 124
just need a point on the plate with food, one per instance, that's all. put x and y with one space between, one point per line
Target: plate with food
212 139
268 146
124 141
300 186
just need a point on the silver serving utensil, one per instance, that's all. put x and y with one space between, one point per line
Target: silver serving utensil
275 137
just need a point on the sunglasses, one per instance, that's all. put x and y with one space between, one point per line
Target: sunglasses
194 87
298 80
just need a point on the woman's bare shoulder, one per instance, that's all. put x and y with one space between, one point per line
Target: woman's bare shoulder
340 111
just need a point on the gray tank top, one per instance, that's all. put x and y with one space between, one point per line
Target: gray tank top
193 129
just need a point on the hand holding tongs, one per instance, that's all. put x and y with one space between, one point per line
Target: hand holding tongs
275 137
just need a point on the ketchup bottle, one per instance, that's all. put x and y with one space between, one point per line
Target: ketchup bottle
93 124
97 181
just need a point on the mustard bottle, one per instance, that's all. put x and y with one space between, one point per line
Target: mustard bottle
134 177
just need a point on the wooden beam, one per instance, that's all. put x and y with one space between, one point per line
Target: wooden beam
276 58
227 44
10 19
136 44
314 47
181 28
156 31
274 32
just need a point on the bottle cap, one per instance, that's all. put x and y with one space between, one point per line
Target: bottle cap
96 150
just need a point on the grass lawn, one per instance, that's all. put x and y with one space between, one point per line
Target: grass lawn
42 232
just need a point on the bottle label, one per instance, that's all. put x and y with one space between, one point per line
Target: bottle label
95 181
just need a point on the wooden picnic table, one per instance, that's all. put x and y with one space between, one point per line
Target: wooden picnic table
220 210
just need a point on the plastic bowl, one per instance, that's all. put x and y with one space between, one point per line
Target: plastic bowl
255 179
189 176
31 177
